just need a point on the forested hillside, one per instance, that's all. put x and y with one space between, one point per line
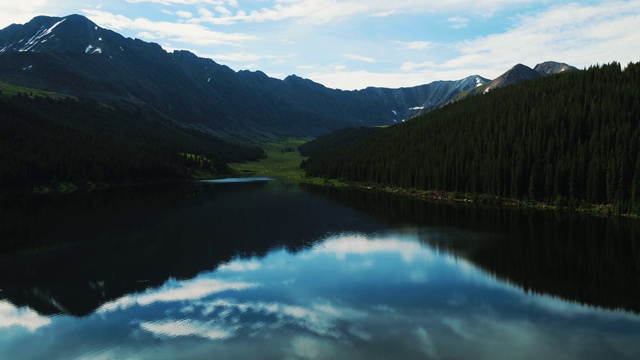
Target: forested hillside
47 141
571 139
335 139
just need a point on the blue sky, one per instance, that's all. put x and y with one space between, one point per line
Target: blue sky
352 44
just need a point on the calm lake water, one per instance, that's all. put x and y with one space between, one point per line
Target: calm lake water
274 270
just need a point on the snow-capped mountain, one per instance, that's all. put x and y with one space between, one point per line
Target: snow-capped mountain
42 34
516 74
75 56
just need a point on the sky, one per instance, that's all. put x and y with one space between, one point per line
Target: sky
353 44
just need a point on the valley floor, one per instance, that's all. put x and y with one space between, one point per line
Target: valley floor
282 162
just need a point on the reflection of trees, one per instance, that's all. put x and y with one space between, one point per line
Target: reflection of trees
590 260
105 245
581 258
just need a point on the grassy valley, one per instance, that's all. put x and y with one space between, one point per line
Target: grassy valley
282 161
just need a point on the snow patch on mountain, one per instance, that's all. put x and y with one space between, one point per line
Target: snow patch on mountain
93 50
39 35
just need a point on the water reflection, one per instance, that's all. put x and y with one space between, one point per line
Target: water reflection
237 180
152 234
266 270
11 316
591 260
354 295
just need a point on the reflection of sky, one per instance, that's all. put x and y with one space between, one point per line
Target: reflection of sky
351 296
10 316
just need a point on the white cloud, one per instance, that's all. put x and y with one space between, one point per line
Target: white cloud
576 34
236 57
205 330
12 13
176 291
245 60
181 2
23 317
188 33
324 11
320 318
415 45
223 10
184 14
359 58
360 79
580 35
384 14
409 249
458 22
240 265
411 66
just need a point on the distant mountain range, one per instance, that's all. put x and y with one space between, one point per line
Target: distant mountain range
73 55
517 74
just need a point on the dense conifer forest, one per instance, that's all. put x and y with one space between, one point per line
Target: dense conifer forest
337 138
47 141
571 139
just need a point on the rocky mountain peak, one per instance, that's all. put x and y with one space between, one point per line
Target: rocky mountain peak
552 68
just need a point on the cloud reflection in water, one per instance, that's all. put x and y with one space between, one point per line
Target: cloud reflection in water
11 316
352 296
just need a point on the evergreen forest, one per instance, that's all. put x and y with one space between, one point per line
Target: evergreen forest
335 139
46 141
571 139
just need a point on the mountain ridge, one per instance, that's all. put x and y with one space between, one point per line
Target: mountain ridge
516 74
73 55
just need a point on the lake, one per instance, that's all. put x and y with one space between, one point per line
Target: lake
275 270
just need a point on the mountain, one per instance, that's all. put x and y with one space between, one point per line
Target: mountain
73 55
567 141
517 74
514 75
552 68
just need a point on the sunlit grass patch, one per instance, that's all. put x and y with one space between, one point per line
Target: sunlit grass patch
12 90
282 162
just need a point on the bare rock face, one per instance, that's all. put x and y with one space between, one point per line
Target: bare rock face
552 68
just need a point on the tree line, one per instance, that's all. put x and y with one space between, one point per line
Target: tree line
569 139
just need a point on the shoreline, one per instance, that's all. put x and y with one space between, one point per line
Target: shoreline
282 164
